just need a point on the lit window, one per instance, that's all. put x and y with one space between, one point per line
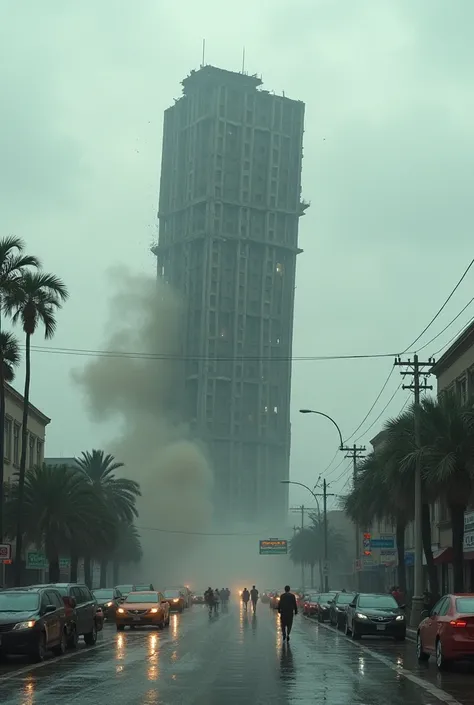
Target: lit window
279 268
265 408
275 410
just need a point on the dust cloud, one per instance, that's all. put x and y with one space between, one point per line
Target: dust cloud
143 393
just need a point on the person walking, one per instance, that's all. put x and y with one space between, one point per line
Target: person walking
245 598
287 607
254 598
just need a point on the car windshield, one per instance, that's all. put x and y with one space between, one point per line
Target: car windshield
18 601
378 602
313 597
124 588
344 598
326 597
63 591
137 597
465 605
172 593
105 594
143 587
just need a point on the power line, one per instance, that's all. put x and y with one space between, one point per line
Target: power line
195 533
381 414
451 340
371 408
409 347
449 325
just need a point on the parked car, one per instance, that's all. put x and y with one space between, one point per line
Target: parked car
139 587
197 598
447 632
109 599
375 615
310 604
338 608
175 599
184 592
143 609
32 621
81 610
323 605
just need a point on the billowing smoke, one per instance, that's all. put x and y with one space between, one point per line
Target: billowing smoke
144 393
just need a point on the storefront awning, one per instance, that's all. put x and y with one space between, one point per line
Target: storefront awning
444 555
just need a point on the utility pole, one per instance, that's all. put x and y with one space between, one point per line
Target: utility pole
326 557
417 369
356 453
302 562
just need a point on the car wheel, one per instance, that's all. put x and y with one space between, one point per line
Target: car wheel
420 654
441 662
91 638
355 633
60 649
120 627
40 649
72 639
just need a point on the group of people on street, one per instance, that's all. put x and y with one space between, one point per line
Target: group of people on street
213 598
252 597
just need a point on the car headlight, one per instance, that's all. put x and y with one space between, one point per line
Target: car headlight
359 615
176 599
121 610
109 604
25 625
154 610
400 618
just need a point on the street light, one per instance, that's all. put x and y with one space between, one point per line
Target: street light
320 413
326 563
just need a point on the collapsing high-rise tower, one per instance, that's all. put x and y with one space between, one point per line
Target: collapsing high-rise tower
230 201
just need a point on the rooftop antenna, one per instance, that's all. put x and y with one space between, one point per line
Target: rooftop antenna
203 52
243 60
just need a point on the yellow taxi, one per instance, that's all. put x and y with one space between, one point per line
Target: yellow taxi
148 608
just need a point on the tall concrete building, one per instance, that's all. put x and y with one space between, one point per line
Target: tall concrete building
230 201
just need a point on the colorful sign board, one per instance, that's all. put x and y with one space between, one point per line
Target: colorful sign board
385 541
38 561
5 552
273 547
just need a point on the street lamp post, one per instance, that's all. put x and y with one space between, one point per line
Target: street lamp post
320 413
326 560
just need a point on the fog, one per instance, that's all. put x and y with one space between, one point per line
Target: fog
142 391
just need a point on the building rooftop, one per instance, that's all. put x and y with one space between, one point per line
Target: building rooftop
212 75
14 394
462 343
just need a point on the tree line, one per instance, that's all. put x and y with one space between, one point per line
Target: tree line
384 488
307 547
82 511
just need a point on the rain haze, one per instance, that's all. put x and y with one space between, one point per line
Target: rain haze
388 169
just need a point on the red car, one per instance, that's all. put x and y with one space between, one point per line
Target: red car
310 604
447 632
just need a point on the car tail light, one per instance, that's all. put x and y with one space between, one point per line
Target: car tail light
458 623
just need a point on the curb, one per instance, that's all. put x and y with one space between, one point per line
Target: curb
411 633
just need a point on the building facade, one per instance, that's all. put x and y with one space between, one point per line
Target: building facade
37 422
230 202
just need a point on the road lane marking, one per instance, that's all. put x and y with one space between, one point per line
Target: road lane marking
433 690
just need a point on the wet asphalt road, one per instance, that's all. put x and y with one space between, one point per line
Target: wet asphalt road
234 659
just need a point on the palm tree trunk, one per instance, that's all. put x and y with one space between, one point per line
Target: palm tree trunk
24 448
2 446
457 529
103 573
74 566
87 571
54 570
426 539
402 572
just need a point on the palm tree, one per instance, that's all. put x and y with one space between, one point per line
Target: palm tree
12 265
60 510
307 546
34 302
9 360
117 493
128 548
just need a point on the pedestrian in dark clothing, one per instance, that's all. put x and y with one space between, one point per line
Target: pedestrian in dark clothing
254 598
287 607
245 598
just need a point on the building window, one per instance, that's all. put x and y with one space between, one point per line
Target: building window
16 444
461 390
39 452
32 451
8 439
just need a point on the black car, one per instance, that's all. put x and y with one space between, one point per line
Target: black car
109 599
81 612
323 604
375 615
32 621
338 608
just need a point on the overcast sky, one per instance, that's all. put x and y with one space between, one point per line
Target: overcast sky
388 167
